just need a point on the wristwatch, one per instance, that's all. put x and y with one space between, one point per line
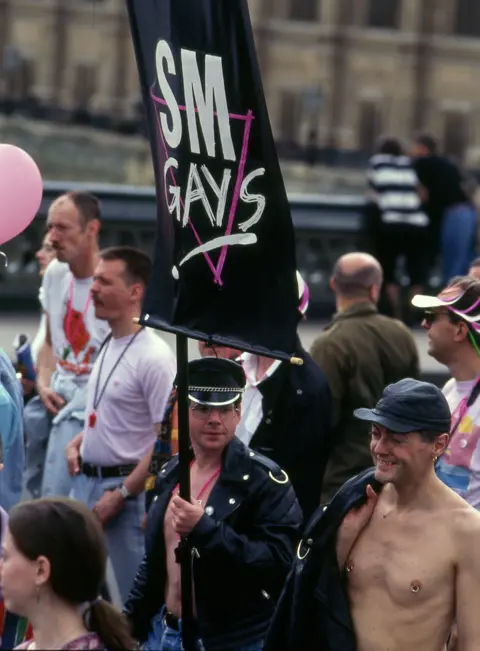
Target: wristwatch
124 492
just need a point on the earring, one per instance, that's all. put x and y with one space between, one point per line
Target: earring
435 459
37 588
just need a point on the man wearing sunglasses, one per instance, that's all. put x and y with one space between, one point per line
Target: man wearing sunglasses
241 525
452 320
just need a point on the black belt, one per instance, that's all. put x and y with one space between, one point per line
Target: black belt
107 472
172 621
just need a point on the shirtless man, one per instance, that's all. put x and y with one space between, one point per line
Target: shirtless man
411 552
241 525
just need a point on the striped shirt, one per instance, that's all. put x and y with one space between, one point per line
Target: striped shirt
394 182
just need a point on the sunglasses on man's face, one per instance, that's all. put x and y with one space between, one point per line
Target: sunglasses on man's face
430 316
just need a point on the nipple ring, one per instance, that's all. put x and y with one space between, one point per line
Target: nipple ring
415 586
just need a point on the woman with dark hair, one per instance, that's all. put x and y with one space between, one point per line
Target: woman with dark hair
52 570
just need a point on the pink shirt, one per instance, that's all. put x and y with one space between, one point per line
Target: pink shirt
133 401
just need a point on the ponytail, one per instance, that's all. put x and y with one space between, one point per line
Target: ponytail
110 625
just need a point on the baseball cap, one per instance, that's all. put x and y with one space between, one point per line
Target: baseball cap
449 298
410 406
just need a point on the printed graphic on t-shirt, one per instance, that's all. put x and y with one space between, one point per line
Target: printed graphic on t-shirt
77 337
75 330
455 467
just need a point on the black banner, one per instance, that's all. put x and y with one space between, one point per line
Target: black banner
224 267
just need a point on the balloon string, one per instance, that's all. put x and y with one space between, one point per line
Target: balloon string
5 258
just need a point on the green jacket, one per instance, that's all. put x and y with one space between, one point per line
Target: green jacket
360 352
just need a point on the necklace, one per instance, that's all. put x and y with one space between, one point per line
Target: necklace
205 486
68 324
98 393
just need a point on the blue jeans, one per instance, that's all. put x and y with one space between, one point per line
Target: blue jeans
162 638
458 237
37 424
124 534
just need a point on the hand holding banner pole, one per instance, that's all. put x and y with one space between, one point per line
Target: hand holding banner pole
184 551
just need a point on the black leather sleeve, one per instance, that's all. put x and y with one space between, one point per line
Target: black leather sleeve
147 594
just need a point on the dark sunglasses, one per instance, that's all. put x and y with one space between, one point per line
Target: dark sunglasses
430 316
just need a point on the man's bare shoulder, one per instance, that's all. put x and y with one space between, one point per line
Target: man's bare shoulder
465 520
455 511
464 526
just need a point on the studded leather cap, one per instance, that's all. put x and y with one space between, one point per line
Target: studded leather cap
410 406
215 381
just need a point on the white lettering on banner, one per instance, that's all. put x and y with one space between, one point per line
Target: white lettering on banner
197 194
259 199
206 107
220 192
174 190
173 136
195 98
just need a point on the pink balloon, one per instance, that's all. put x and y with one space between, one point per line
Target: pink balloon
21 191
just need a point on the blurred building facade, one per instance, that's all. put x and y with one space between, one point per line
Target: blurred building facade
337 73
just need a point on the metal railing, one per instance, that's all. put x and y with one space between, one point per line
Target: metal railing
325 227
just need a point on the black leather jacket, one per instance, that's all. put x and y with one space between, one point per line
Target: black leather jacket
296 425
313 612
243 551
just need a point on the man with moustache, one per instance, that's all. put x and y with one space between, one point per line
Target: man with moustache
393 560
126 397
241 523
73 333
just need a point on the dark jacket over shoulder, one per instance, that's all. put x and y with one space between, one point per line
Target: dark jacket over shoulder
296 426
243 550
313 612
361 352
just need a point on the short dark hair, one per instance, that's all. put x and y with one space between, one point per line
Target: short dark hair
137 263
388 145
430 435
356 285
87 204
427 141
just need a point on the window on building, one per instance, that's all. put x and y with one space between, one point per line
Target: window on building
20 77
290 117
384 14
84 84
456 133
304 10
468 18
369 125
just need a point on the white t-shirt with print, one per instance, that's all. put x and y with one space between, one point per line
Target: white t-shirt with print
76 333
130 385
459 467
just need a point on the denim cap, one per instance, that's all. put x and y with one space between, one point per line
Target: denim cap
410 406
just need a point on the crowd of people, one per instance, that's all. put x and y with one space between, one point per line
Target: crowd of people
422 208
334 503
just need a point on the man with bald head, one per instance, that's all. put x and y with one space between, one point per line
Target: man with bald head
361 352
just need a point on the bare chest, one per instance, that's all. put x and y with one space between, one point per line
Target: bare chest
201 486
409 563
